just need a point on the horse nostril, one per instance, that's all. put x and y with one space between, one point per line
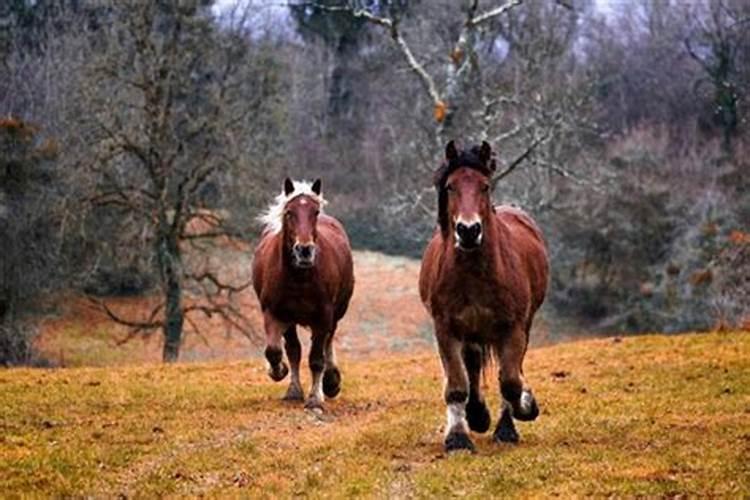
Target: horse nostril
475 230
469 233
304 251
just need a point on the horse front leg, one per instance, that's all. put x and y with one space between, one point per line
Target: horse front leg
518 399
456 392
294 354
477 414
277 369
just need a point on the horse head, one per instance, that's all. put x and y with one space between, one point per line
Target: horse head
464 188
300 220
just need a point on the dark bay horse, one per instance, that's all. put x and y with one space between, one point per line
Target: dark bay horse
302 274
484 275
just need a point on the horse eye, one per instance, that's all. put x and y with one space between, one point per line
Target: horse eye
449 188
485 189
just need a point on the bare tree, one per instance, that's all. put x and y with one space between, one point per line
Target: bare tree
717 39
161 128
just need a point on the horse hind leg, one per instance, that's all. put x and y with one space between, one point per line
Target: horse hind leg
316 359
293 350
506 432
332 374
477 414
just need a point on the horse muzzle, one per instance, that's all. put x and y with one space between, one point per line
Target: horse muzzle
468 236
304 254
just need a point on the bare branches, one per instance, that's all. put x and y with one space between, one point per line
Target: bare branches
393 26
519 159
151 323
493 13
425 78
217 283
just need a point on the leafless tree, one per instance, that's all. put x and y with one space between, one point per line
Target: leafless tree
162 128
717 40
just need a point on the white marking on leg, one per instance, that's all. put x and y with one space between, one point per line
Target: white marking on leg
317 386
330 356
506 406
456 418
295 380
526 400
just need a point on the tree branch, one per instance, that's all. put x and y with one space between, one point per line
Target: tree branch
493 13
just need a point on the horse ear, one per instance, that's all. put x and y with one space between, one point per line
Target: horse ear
450 151
288 186
316 187
485 153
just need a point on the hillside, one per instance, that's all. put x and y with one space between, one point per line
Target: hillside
650 415
384 316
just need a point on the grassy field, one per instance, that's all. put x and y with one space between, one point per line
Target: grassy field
650 415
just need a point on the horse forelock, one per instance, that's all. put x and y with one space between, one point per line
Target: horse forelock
273 217
465 159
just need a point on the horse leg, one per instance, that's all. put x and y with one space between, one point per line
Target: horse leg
277 369
317 365
477 413
456 391
518 399
294 355
506 432
331 375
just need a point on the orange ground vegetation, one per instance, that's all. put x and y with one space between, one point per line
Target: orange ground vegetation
385 315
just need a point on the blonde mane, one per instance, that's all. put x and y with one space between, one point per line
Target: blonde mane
273 217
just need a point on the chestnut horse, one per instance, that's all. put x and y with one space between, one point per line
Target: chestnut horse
302 274
484 275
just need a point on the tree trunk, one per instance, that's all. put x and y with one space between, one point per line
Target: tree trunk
170 261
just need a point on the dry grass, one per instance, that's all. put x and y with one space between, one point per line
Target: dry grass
652 415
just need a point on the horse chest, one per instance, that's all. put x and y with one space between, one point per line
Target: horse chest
476 307
474 317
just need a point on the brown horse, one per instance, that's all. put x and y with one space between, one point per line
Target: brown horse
302 274
484 275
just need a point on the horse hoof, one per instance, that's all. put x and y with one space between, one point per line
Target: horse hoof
278 372
293 394
478 416
314 404
526 410
332 382
456 441
505 433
